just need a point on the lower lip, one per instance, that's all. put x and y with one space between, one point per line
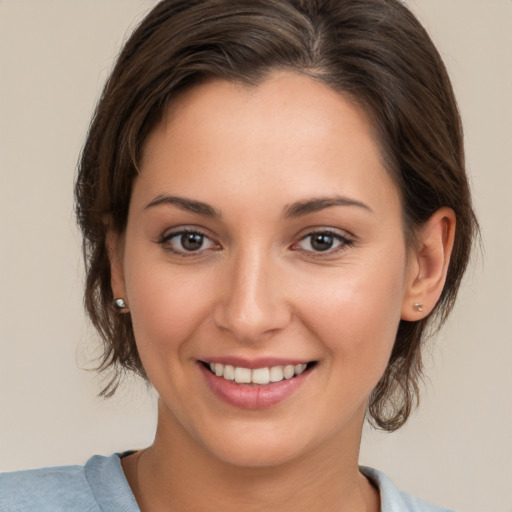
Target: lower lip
253 396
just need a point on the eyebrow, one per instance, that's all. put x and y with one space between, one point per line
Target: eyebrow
314 205
189 205
296 209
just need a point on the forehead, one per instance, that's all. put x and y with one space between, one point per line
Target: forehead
311 109
291 132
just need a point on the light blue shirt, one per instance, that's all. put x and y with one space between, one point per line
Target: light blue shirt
100 486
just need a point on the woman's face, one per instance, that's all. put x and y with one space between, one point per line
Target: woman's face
264 236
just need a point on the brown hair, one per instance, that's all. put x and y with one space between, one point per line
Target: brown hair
374 51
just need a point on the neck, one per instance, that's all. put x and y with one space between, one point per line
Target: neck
178 474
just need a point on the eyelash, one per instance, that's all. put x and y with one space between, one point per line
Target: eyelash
165 241
344 243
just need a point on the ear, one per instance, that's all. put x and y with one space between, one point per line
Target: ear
428 265
115 247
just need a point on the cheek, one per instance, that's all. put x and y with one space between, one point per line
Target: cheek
355 311
166 307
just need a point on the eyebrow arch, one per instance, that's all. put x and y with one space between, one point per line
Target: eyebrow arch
189 205
314 205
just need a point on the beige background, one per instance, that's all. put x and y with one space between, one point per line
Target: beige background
54 57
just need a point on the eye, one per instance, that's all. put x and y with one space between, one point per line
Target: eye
325 241
187 242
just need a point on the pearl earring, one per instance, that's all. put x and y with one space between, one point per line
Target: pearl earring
418 306
120 304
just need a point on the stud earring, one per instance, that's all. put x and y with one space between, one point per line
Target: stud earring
418 306
120 304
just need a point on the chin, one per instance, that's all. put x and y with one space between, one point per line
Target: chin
261 454
267 444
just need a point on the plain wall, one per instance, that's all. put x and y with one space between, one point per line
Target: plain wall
54 58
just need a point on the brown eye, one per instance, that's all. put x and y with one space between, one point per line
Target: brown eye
187 242
322 241
191 241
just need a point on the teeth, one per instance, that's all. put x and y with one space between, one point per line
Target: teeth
259 375
229 372
219 370
299 368
276 373
289 371
243 375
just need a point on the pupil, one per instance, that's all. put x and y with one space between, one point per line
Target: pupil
322 242
191 241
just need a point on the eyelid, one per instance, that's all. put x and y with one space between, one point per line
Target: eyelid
169 234
346 240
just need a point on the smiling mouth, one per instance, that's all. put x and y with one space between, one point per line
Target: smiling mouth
260 376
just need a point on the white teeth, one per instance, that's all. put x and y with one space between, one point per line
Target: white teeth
299 368
276 373
289 371
243 375
260 376
229 372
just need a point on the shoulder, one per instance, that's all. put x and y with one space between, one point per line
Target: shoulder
393 500
60 488
68 488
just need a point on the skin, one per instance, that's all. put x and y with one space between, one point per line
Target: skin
258 288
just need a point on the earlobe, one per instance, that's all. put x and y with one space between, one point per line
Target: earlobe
429 267
115 255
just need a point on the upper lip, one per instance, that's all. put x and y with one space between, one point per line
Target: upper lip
263 362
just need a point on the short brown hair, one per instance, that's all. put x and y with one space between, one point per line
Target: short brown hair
373 51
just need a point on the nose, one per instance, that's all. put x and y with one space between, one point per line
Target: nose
252 304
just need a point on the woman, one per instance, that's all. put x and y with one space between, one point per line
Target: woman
275 209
